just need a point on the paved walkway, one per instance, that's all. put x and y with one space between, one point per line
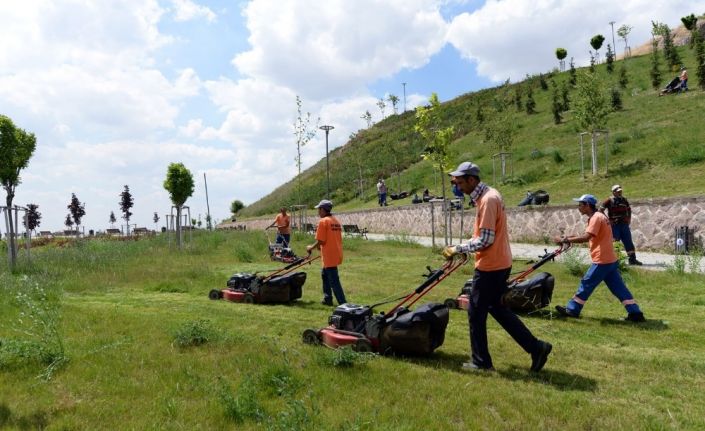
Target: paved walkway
651 261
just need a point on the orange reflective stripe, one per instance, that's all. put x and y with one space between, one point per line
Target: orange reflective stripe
579 300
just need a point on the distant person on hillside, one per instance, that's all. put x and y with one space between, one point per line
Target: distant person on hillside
426 195
684 79
329 239
382 193
605 266
283 225
620 215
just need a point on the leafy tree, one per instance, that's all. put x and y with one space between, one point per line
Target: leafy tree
700 59
393 100
623 77
517 98
561 54
530 102
501 129
16 148
623 32
437 138
236 206
381 105
590 105
670 52
596 43
690 23
542 82
34 217
479 114
126 202
556 106
565 105
304 132
112 219
616 99
368 118
655 72
208 222
610 59
572 73
68 222
179 183
77 210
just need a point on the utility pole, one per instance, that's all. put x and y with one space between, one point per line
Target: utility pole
208 207
613 45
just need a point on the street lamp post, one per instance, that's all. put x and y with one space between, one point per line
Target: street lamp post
327 129
614 48
404 85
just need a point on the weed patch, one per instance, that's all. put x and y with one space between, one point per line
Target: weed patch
194 333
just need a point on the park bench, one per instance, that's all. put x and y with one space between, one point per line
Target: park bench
354 230
113 231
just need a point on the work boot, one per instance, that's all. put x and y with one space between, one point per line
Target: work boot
564 312
633 261
540 356
635 317
471 366
328 302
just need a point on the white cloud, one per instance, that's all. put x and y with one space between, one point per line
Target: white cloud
510 38
186 10
335 48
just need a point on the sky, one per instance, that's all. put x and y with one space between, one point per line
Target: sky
116 90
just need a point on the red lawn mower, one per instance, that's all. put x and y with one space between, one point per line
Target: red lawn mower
523 295
280 286
399 331
280 251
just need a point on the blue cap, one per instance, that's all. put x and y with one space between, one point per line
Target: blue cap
325 204
466 168
588 199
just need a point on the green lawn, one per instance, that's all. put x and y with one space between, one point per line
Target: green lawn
124 309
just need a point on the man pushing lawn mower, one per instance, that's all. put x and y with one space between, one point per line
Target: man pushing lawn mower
493 263
604 263
329 239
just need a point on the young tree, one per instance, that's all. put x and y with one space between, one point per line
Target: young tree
112 219
561 54
179 183
623 77
381 105
68 222
670 53
16 148
592 62
393 100
34 217
623 32
610 59
77 210
517 98
542 82
209 222
126 202
596 43
556 106
437 138
304 132
479 115
700 59
155 219
368 118
616 99
690 23
655 72
572 73
590 109
236 206
530 102
565 105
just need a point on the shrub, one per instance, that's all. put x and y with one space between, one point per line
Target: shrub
688 156
194 333
574 262
243 405
557 157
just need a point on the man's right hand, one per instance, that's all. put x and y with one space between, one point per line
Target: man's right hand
450 251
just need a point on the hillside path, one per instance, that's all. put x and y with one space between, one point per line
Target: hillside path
651 261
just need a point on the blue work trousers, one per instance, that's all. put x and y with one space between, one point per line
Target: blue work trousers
622 232
597 273
332 286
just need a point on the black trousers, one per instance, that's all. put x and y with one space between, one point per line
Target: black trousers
487 291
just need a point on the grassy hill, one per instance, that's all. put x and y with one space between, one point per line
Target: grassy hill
656 146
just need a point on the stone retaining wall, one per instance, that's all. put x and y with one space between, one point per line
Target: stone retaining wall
653 221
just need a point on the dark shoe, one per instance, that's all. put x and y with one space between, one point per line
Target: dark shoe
564 312
328 302
471 366
635 317
539 358
633 261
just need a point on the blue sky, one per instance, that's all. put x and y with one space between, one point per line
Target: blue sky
116 90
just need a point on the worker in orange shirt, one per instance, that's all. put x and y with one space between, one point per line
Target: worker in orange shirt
283 224
329 240
604 263
493 264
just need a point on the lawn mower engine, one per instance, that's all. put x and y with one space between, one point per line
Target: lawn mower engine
242 280
350 317
280 253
